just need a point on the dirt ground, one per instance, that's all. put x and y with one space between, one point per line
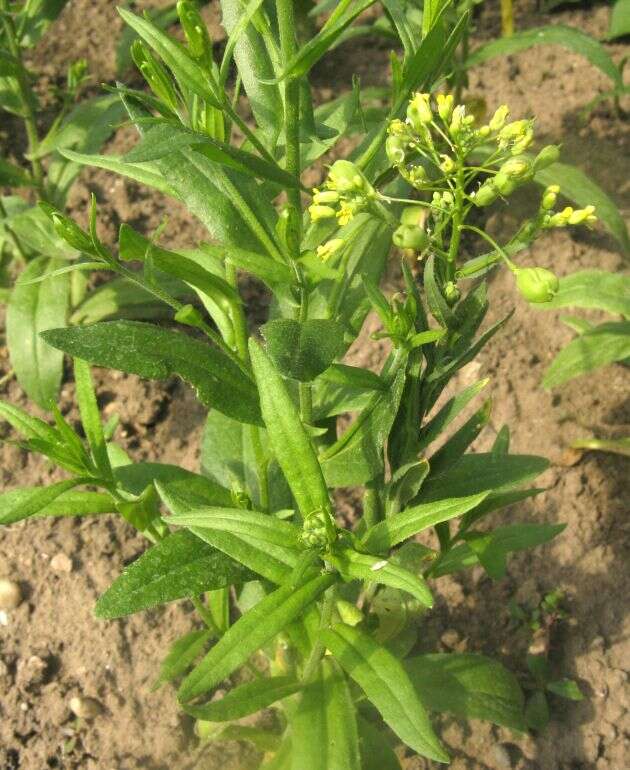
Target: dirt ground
52 648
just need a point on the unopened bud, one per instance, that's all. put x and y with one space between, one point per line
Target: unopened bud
447 164
517 167
154 73
459 113
498 119
547 156
445 106
410 237
69 231
550 197
199 43
326 250
485 195
325 197
419 111
504 184
320 212
349 613
582 215
451 293
396 147
417 176
537 284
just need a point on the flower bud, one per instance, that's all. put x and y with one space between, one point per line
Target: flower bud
516 133
419 111
320 212
483 132
547 156
498 119
445 106
447 164
395 147
318 530
410 237
537 284
561 218
417 176
413 215
582 215
325 197
451 293
550 197
326 250
457 119
485 195
517 167
345 177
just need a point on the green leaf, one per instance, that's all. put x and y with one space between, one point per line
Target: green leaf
469 686
90 416
38 15
310 53
353 565
604 344
161 17
353 377
167 138
357 456
323 724
376 753
68 503
386 684
179 566
13 176
181 655
30 427
578 187
253 540
145 173
156 353
566 688
32 309
452 449
267 269
409 522
21 504
537 711
199 490
252 631
290 442
556 34
449 412
303 350
619 19
435 299
481 472
246 699
594 289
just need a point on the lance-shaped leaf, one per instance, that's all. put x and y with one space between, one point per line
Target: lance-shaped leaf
357 456
253 630
251 538
323 724
353 565
198 490
291 444
449 412
179 566
482 472
303 350
20 504
469 686
594 289
601 345
409 522
156 353
387 685
33 308
262 266
376 753
246 699
182 654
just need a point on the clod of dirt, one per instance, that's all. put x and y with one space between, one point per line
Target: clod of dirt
61 563
31 672
85 708
10 594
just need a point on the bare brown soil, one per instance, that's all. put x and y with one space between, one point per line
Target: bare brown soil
51 647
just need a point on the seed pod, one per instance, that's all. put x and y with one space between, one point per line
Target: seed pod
395 147
199 43
504 184
486 194
410 237
345 177
547 156
413 215
537 284
518 167
69 231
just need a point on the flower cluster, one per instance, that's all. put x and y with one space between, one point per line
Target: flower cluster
346 192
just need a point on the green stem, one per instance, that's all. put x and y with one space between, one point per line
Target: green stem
24 90
456 232
204 612
499 249
372 508
318 649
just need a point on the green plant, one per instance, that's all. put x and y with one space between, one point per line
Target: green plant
596 345
256 535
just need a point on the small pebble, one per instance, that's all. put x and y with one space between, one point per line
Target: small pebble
61 563
501 757
10 594
85 708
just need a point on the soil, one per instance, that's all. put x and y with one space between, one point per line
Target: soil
52 648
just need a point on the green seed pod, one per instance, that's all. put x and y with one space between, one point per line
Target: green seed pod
154 73
536 284
395 147
518 167
547 156
345 177
486 195
69 231
349 613
452 294
410 237
199 43
504 184
413 215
